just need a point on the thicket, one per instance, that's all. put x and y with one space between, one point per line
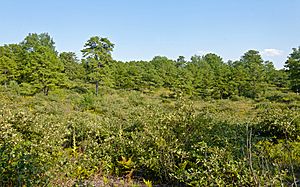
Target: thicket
197 123
84 138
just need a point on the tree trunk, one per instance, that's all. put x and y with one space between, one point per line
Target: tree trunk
5 82
97 87
46 90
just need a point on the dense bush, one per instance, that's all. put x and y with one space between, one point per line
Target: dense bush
68 136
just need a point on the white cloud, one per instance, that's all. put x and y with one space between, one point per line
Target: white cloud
272 52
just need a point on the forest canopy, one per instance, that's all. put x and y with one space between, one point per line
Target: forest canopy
36 66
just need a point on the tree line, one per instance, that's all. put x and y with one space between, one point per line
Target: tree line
35 66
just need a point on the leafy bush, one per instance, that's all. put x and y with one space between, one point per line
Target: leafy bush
71 137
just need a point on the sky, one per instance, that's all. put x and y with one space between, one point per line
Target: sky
142 29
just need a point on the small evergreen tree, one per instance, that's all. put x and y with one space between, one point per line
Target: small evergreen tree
293 69
97 51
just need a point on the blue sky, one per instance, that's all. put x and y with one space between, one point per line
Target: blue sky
142 29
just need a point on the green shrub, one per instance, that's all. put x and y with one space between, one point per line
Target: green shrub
66 136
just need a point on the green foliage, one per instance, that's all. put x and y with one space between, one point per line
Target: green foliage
35 63
250 74
148 183
43 69
26 149
293 65
72 69
67 136
98 54
148 123
34 40
9 63
8 69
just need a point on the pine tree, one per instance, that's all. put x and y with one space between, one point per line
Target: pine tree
97 52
